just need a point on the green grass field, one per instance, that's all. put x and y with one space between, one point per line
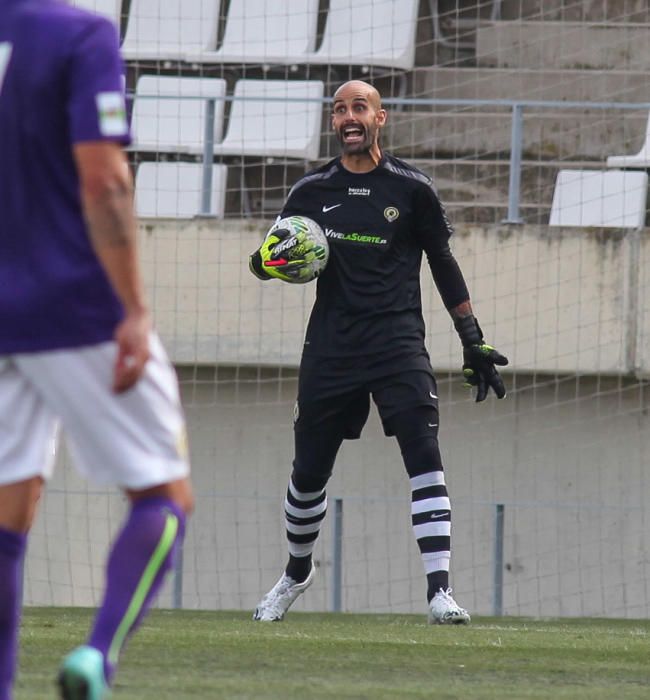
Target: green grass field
189 654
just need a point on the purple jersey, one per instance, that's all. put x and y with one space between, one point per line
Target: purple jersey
60 84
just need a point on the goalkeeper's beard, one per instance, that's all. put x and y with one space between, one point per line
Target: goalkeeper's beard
357 149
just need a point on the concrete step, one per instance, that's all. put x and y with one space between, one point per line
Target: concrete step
577 10
477 191
570 45
449 37
529 84
551 134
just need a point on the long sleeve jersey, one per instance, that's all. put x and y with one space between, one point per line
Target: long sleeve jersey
378 224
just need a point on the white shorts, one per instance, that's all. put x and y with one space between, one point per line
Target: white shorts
135 440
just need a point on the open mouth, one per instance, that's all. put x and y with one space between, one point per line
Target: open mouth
353 134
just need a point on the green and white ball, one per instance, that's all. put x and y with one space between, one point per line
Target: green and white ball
306 241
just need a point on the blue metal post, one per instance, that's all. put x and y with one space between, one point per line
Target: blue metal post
178 580
208 153
516 147
337 556
498 560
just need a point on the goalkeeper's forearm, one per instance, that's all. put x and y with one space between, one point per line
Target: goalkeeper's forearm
466 325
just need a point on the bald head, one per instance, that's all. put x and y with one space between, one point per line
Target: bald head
357 117
358 89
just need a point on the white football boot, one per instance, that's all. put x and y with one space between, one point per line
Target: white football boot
444 610
280 598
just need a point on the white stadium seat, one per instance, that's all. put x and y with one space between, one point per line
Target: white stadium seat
174 190
369 33
266 31
364 32
611 198
175 125
170 29
282 127
638 160
107 8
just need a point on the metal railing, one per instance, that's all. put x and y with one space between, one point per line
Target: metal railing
336 575
517 108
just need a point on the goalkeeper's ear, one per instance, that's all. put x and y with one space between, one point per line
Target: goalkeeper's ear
255 265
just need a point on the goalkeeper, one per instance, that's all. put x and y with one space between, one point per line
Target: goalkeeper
365 338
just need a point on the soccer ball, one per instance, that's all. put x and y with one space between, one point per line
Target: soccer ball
302 252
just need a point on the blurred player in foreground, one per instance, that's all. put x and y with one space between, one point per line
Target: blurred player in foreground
76 343
366 337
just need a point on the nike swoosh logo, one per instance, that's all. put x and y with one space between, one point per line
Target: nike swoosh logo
432 425
326 208
435 516
432 395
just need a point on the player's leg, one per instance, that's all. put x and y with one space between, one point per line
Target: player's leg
139 445
409 409
319 430
27 432
17 505
141 556
305 507
305 504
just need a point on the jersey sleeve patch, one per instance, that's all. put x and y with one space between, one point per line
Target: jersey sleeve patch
111 111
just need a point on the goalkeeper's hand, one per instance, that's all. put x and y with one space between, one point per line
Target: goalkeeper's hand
291 264
480 360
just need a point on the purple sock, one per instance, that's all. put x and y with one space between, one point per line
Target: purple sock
140 557
12 551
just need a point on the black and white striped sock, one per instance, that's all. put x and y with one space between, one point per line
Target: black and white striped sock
304 512
431 518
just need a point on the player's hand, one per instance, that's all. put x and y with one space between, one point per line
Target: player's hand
479 370
285 256
132 338
480 359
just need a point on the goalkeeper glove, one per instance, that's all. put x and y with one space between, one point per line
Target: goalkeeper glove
289 263
479 360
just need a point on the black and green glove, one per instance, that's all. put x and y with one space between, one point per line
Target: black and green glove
479 360
287 256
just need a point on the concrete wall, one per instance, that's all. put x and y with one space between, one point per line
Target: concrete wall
566 452
561 300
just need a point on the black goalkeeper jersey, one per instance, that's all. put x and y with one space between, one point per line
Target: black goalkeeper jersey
368 299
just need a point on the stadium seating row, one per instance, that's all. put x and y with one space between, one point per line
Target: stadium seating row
272 119
614 199
282 32
269 118
170 116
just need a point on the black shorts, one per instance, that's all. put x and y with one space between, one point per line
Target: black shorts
334 396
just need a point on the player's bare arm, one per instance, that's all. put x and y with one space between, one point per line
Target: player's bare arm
107 200
463 310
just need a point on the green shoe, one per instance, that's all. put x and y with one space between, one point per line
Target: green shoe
82 675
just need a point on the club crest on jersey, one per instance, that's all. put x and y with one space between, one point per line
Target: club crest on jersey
391 213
